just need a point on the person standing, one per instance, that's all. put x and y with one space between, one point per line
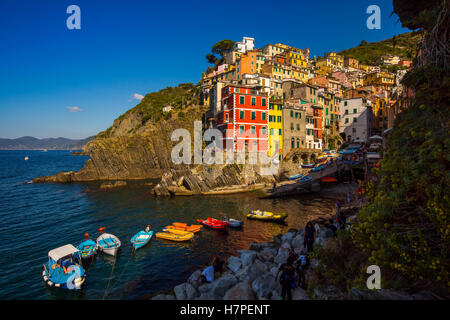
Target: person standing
310 234
287 279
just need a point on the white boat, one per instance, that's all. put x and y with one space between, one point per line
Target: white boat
26 158
108 243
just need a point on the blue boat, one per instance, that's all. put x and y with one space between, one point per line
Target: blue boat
305 179
311 165
295 177
87 249
319 168
141 238
62 271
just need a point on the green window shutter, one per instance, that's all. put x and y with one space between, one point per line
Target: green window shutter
326 111
253 101
271 132
263 129
279 132
253 115
263 116
253 128
241 99
241 114
292 114
263 102
241 129
355 110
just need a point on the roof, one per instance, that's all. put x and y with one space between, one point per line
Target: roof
62 252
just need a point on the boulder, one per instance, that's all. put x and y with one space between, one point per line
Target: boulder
282 256
287 237
221 285
286 245
205 287
240 291
299 294
234 264
322 292
206 296
297 241
260 246
273 270
193 277
185 291
180 291
264 285
267 254
247 257
250 273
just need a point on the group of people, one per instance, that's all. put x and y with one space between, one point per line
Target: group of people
292 273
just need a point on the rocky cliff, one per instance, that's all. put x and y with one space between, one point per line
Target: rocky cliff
138 145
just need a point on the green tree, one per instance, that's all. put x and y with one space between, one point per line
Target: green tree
218 52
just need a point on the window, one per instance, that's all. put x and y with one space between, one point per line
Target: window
292 143
296 114
263 101
253 115
263 130
241 129
346 120
279 132
354 119
355 110
242 100
292 126
298 143
236 90
253 101
253 130
226 117
241 114
263 116
271 132
292 114
326 111
298 127
279 118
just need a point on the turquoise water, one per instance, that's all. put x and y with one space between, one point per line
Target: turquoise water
35 218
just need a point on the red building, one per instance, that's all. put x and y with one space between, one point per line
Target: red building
243 119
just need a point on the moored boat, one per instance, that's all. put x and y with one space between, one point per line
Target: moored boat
61 270
87 248
266 215
233 222
108 243
307 166
141 238
319 168
185 227
297 176
329 179
214 223
174 235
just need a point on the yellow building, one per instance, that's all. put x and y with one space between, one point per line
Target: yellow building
331 60
367 68
275 127
383 79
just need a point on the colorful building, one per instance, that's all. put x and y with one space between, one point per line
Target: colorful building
294 126
275 127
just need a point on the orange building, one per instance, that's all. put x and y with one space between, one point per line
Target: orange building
251 62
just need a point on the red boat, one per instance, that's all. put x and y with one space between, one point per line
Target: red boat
214 223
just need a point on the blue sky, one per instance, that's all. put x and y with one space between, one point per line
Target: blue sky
139 46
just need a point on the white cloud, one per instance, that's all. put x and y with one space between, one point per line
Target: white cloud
138 96
74 109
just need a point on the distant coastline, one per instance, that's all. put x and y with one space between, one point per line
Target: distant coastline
32 143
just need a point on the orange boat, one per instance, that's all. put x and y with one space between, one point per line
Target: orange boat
185 227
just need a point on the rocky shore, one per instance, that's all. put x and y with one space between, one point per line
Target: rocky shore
251 275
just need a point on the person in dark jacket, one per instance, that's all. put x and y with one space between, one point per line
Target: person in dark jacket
310 234
287 280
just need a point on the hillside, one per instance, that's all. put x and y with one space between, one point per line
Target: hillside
31 143
404 45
